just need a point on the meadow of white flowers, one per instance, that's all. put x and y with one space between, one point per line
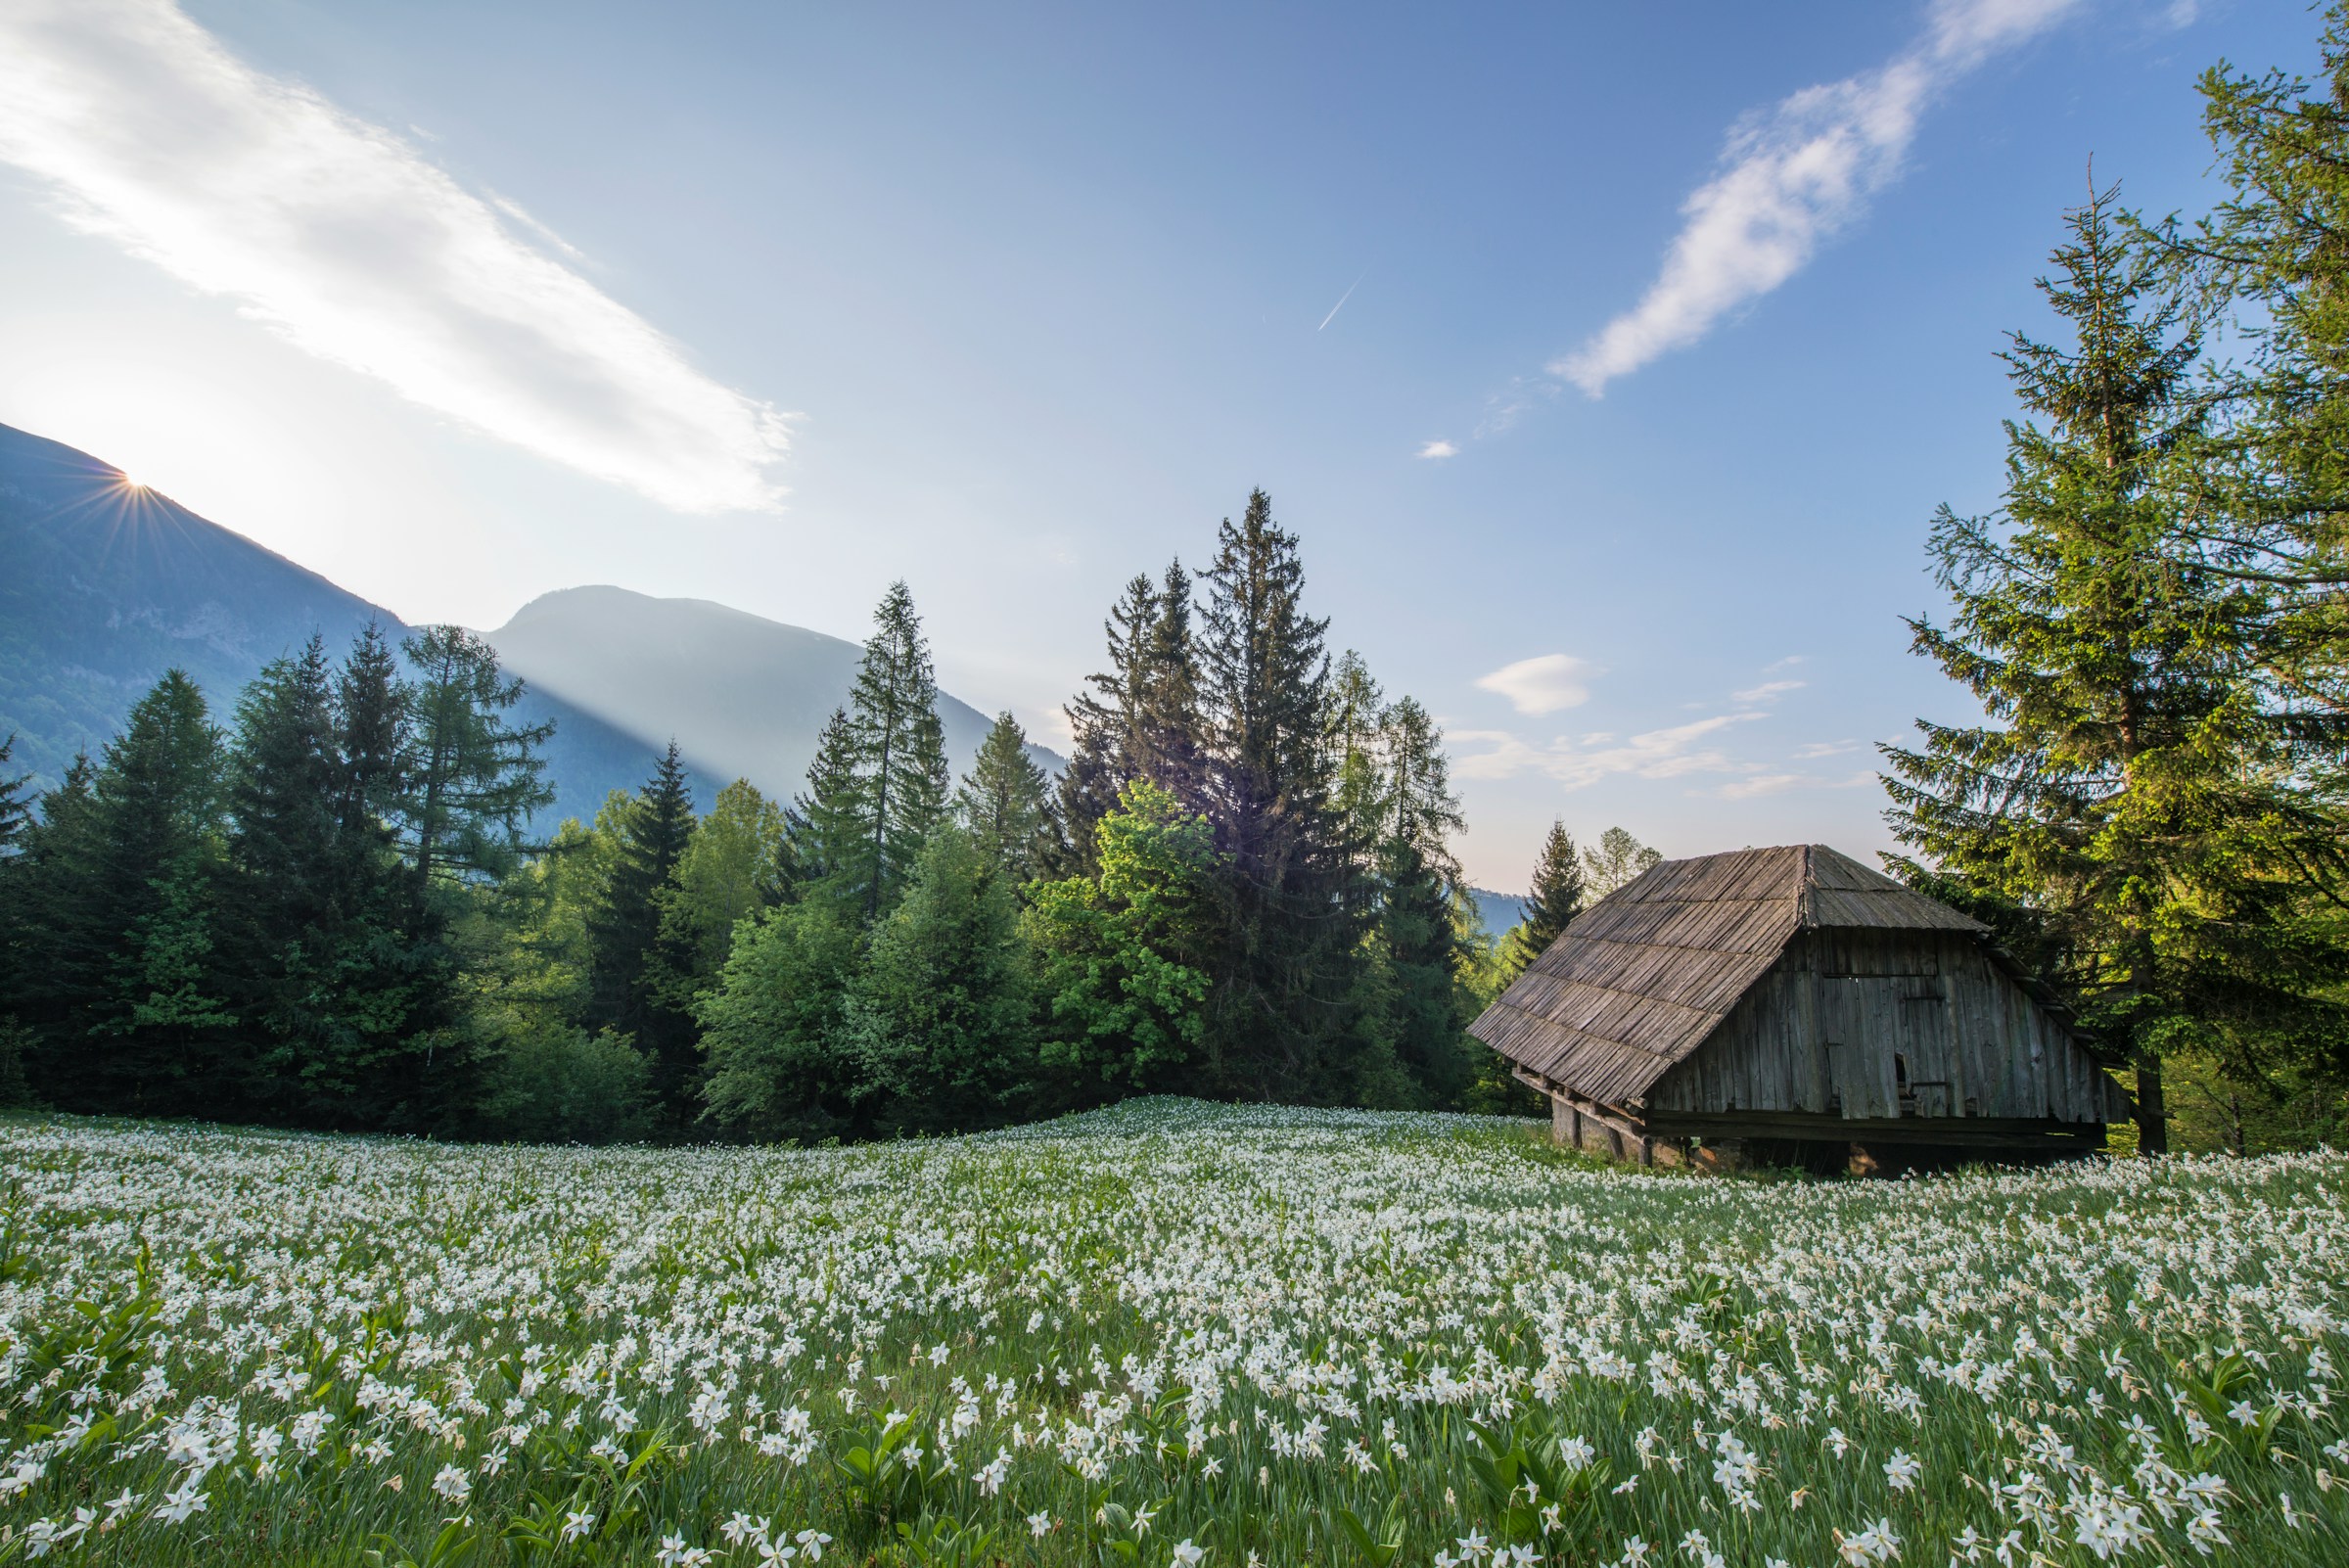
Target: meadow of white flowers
1168 1334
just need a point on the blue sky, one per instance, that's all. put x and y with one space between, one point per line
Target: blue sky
770 304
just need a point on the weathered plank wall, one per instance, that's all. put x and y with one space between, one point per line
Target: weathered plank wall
1863 1024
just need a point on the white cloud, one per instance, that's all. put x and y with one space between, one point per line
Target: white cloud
1791 178
1654 754
1439 449
1768 691
1745 789
1543 685
1817 749
340 236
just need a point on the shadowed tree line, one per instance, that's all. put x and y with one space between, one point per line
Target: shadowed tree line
324 913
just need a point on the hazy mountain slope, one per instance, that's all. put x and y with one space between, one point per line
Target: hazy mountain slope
1498 910
104 585
744 696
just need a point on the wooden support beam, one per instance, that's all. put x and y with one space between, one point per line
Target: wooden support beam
1630 1136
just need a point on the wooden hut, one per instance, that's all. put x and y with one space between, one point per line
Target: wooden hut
1792 1004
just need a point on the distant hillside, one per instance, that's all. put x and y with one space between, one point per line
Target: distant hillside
1498 910
105 584
744 696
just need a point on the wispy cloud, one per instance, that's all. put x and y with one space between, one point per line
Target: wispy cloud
1768 691
1543 685
1791 177
341 237
1439 449
1745 789
1670 753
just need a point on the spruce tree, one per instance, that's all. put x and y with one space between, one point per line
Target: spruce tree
2136 785
1357 736
1106 723
939 1013
900 765
1279 1018
1419 895
62 949
342 981
1168 738
1140 718
472 778
285 788
1557 895
1003 802
15 808
633 987
825 834
123 989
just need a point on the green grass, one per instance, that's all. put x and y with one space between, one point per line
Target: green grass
1172 1328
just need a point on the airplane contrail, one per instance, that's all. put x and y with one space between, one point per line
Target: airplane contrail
1341 305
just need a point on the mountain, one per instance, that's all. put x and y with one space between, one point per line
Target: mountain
105 584
744 696
1498 910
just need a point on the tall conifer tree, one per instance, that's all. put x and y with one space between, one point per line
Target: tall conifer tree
15 808
472 778
900 765
123 984
1004 802
635 962
1419 894
1279 1018
2135 787
1106 721
1557 895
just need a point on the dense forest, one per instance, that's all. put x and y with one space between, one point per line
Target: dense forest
328 912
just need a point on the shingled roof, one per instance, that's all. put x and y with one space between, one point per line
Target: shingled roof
1643 976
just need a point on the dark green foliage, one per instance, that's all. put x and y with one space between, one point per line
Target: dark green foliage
562 1085
1140 718
1278 1023
901 756
634 961
1419 898
938 1016
1558 895
824 852
1004 802
1124 955
2144 788
120 987
772 1026
336 969
472 778
15 807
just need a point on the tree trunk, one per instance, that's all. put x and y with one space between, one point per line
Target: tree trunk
2152 1111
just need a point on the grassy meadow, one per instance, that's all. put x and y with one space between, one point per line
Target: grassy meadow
1170 1333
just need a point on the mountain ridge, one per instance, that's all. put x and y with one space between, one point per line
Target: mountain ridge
105 584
